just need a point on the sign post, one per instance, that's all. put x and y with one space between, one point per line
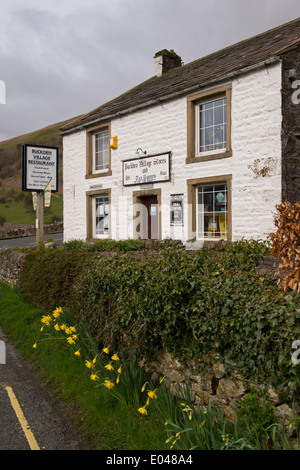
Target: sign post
40 175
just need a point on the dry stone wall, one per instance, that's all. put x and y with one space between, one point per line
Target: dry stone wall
213 386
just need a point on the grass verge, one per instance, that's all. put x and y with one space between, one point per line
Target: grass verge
102 421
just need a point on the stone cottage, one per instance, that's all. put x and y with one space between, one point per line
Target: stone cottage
198 152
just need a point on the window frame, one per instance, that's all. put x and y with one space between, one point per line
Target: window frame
193 104
91 132
213 213
192 197
91 214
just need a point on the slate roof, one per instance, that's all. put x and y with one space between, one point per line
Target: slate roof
247 53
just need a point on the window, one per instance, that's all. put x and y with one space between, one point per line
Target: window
101 216
212 214
209 125
98 151
209 208
98 214
101 150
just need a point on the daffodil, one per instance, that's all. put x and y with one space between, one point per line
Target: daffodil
46 319
94 377
108 384
152 394
75 337
109 367
143 387
119 370
105 350
56 327
34 346
70 340
94 360
89 365
63 327
143 410
77 353
115 357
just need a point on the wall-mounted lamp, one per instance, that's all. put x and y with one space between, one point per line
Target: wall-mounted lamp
137 153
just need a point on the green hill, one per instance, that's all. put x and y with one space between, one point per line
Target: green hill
15 204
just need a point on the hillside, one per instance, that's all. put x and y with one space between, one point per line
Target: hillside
16 205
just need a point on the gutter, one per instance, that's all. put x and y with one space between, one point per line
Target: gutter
171 96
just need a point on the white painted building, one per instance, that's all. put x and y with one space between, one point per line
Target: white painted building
199 152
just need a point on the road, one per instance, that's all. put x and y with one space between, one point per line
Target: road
30 418
25 242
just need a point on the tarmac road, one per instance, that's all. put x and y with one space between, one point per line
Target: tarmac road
26 242
30 418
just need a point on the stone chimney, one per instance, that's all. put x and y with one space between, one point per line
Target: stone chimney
166 60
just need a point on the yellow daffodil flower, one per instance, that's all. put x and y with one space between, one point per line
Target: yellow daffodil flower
109 367
56 327
108 384
94 360
94 377
89 365
105 350
77 353
119 370
34 346
152 394
143 387
115 357
70 340
143 411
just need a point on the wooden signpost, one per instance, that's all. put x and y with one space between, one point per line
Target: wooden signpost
40 177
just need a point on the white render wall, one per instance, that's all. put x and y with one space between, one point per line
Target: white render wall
255 165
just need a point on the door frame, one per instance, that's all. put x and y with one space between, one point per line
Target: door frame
137 197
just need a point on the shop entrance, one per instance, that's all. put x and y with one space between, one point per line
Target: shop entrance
149 219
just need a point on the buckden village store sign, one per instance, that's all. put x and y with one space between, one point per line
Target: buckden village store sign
152 169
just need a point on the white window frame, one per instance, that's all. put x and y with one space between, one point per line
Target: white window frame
198 106
106 150
106 215
212 213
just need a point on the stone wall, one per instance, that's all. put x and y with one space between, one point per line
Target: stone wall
213 386
17 231
11 262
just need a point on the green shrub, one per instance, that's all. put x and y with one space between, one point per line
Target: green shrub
210 303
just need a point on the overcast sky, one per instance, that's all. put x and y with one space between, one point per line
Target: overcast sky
62 58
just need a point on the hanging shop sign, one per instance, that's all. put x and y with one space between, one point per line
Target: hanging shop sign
145 170
39 166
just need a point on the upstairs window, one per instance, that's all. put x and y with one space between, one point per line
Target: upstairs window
98 151
101 150
209 125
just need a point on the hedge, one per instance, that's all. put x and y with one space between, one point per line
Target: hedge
195 305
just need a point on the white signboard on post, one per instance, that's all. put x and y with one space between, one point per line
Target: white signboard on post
39 166
152 169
